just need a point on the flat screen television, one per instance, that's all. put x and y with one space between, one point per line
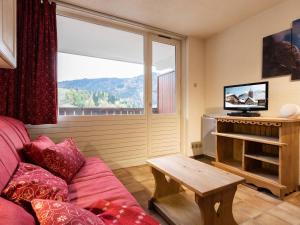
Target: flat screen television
246 98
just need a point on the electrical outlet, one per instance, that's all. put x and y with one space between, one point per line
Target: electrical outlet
196 145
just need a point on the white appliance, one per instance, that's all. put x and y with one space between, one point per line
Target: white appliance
209 124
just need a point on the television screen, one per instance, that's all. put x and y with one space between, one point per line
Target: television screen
246 97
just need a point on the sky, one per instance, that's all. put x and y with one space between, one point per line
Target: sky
74 67
245 89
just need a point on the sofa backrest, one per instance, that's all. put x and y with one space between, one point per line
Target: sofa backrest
13 136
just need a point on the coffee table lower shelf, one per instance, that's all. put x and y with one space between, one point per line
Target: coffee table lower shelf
177 209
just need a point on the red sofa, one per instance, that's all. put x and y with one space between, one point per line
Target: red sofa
94 181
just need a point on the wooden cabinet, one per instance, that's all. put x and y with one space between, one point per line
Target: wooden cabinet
8 31
263 150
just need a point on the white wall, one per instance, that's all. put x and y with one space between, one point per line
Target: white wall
194 92
235 56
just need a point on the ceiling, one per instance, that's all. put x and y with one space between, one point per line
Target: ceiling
98 41
109 43
200 18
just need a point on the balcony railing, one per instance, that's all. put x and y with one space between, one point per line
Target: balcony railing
73 111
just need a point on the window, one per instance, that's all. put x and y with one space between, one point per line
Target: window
100 69
163 78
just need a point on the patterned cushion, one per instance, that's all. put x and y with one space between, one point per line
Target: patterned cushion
64 159
30 182
35 148
51 212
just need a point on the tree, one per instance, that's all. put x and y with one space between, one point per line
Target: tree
96 98
77 97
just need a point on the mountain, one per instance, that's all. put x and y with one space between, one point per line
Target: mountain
259 94
243 96
130 90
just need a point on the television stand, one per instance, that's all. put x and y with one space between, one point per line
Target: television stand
263 150
244 114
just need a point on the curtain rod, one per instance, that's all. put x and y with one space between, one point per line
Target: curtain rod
121 20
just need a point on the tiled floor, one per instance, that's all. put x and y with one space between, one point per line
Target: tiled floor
250 206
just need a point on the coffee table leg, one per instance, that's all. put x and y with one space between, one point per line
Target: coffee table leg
164 186
216 209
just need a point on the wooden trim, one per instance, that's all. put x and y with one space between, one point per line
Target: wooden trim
256 119
8 56
254 138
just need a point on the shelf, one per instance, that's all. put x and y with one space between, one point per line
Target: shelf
269 148
264 158
259 175
265 173
233 163
254 138
179 209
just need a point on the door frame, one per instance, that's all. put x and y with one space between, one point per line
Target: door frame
149 39
149 35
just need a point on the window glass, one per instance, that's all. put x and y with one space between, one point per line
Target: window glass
100 69
163 78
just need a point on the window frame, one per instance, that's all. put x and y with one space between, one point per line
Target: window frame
176 44
93 20
149 34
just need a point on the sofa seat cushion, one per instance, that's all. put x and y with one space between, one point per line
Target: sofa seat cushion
96 181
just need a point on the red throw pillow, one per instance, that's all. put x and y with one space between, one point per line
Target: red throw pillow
51 212
64 159
12 214
35 148
30 182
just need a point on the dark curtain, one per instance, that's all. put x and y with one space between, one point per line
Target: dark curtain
29 92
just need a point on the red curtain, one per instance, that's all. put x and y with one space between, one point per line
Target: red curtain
29 92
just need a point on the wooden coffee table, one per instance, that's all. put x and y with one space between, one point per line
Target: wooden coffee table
209 203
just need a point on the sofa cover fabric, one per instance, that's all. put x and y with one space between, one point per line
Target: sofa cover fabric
12 214
13 136
117 214
93 181
96 181
8 161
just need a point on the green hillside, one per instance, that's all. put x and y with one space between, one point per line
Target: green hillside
103 92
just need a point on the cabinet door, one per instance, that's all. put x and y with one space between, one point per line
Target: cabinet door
8 19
